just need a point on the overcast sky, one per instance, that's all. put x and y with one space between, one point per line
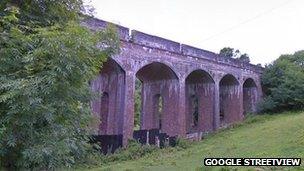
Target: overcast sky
262 28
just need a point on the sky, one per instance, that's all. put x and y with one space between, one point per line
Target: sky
264 29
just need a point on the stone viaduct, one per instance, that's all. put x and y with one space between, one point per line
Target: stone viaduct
185 78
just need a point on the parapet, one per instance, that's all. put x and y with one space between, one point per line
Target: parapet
231 61
97 24
201 53
154 41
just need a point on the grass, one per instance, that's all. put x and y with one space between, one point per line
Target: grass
280 135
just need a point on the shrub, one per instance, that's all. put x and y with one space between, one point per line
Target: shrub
134 150
183 143
283 83
266 105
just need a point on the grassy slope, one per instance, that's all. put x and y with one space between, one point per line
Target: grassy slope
259 136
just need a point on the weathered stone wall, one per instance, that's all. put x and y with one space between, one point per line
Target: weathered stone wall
109 108
230 100
200 87
175 72
250 96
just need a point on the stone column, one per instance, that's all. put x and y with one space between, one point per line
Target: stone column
182 108
128 116
216 117
241 102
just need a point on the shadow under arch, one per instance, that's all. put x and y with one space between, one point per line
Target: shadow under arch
164 63
160 70
250 96
110 84
230 102
159 83
200 93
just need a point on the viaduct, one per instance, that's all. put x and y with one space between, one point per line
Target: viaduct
182 79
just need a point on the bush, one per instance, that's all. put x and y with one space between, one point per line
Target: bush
183 143
283 83
267 105
134 150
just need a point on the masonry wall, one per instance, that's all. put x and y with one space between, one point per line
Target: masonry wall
168 90
250 99
110 84
230 102
250 96
164 66
200 88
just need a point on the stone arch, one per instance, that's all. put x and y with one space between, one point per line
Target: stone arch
230 101
110 83
250 95
197 68
200 93
119 62
159 80
142 64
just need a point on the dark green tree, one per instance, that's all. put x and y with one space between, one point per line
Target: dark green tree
228 52
283 83
33 13
46 62
244 58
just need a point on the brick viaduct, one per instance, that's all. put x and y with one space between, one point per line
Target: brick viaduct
221 90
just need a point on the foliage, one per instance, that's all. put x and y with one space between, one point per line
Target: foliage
283 83
228 52
245 58
137 104
133 151
182 143
45 97
35 13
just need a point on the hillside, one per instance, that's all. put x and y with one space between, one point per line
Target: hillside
259 136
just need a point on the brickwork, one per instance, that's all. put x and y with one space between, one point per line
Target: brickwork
224 88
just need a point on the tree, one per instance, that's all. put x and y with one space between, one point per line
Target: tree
33 13
46 62
283 83
228 52
244 58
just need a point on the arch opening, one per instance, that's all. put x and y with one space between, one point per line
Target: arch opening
250 95
200 89
156 71
110 83
194 107
159 98
229 100
137 104
157 110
